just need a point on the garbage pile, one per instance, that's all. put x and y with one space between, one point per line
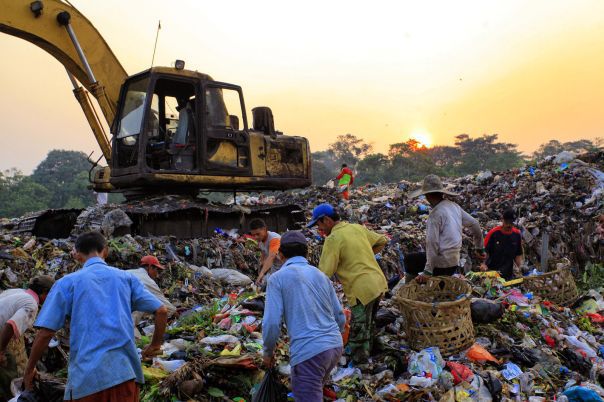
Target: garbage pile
526 347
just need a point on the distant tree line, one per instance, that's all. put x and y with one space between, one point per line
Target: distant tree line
61 179
412 161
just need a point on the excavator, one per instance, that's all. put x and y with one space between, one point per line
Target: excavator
174 133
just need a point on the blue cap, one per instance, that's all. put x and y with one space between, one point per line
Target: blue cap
319 212
293 237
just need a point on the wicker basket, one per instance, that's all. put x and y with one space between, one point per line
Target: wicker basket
437 313
557 286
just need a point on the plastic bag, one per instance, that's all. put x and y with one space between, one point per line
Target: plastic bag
478 354
231 277
460 372
270 390
511 371
427 363
581 394
525 357
384 317
486 311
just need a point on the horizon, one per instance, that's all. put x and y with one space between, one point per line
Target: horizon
528 72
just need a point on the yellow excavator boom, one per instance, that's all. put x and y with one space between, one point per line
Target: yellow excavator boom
61 30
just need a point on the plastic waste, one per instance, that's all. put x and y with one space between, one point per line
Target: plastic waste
511 371
231 277
345 372
478 354
427 363
574 341
169 365
220 339
417 381
460 372
581 394
270 390
384 317
486 311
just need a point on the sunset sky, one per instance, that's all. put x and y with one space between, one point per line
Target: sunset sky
385 71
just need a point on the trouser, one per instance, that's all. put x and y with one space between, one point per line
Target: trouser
344 191
362 330
124 392
416 262
309 377
8 373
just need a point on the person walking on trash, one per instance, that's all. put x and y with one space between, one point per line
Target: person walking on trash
269 243
148 274
349 252
503 246
98 301
345 180
444 230
305 297
18 310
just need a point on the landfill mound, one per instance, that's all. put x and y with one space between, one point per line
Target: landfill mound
526 347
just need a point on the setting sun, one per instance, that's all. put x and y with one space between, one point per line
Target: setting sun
422 137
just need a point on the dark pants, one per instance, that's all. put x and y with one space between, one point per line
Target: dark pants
309 377
124 392
416 262
362 330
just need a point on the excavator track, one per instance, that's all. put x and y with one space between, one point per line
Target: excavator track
177 216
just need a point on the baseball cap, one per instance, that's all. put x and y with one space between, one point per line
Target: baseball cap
293 237
151 260
319 212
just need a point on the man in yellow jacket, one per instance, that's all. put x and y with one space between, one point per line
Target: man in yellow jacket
349 253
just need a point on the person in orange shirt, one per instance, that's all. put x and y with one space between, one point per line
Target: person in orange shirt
269 243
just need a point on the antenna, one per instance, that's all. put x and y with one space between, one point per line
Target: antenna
155 47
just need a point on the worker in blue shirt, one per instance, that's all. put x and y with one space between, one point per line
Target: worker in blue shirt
305 297
99 301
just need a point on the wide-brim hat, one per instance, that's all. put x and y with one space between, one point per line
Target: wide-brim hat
432 184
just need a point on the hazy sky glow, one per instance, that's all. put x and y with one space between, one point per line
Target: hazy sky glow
528 70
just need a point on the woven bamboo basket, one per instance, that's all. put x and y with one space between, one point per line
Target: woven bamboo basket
437 313
557 286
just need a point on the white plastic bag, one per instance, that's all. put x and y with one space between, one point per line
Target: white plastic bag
427 363
231 277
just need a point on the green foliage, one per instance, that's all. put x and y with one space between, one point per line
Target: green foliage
592 277
349 149
65 175
59 181
20 194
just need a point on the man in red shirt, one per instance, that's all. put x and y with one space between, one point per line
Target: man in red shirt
503 245
345 180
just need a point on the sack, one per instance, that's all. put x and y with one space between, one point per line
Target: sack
270 390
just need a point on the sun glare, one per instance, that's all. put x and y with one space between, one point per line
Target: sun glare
422 137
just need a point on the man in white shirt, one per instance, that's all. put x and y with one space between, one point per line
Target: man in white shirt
444 230
147 275
18 310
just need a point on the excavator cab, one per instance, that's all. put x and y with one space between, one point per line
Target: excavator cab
182 131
